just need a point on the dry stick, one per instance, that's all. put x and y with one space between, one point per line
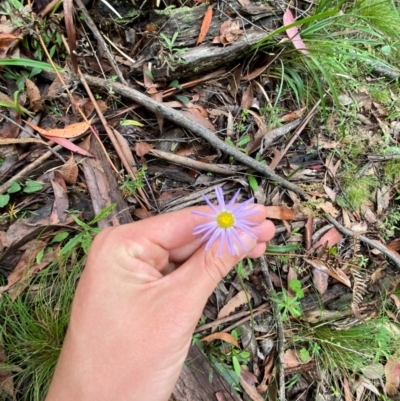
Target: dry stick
194 164
299 129
114 140
229 318
100 40
281 334
24 172
380 247
193 126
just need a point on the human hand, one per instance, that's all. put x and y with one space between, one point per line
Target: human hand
137 304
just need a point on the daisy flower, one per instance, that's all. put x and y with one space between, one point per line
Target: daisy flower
225 222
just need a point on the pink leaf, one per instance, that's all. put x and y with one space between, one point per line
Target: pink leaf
66 143
293 32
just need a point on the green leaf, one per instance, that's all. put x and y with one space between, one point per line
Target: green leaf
252 182
60 236
175 84
148 73
236 365
82 224
14 187
32 186
104 213
295 285
243 140
131 122
19 62
4 199
282 248
182 99
304 355
71 244
39 256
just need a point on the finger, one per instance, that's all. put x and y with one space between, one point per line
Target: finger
169 231
205 269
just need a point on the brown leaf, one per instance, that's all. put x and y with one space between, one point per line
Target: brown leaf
238 300
67 144
70 131
71 32
142 148
392 373
247 97
249 383
291 359
336 273
328 207
7 42
61 203
205 26
33 95
222 336
6 141
69 171
158 97
320 280
26 263
279 212
199 119
293 32
329 239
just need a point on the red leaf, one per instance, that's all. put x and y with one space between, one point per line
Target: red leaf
293 32
67 144
205 26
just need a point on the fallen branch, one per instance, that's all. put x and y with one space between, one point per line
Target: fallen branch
380 247
196 128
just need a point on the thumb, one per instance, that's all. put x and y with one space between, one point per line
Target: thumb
206 268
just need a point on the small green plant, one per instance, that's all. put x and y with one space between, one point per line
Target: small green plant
129 186
288 305
28 187
169 44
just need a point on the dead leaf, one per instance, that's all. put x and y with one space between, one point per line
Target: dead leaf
229 32
280 213
293 32
199 119
331 193
328 207
33 95
320 280
329 239
336 273
291 359
247 97
26 263
16 141
142 148
158 97
70 131
249 383
67 144
373 371
69 171
238 300
7 43
61 203
205 26
222 336
392 373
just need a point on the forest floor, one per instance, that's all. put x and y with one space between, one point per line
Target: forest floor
111 114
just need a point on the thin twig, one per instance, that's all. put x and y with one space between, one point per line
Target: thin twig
28 169
100 40
380 247
194 164
193 126
229 318
281 334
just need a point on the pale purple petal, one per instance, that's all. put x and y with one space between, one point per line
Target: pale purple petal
247 231
210 204
220 197
231 203
204 227
218 232
235 233
230 240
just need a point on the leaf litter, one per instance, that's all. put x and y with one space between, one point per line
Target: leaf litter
323 279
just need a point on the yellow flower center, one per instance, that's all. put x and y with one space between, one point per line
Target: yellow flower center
225 219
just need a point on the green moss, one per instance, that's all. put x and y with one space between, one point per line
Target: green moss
359 192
